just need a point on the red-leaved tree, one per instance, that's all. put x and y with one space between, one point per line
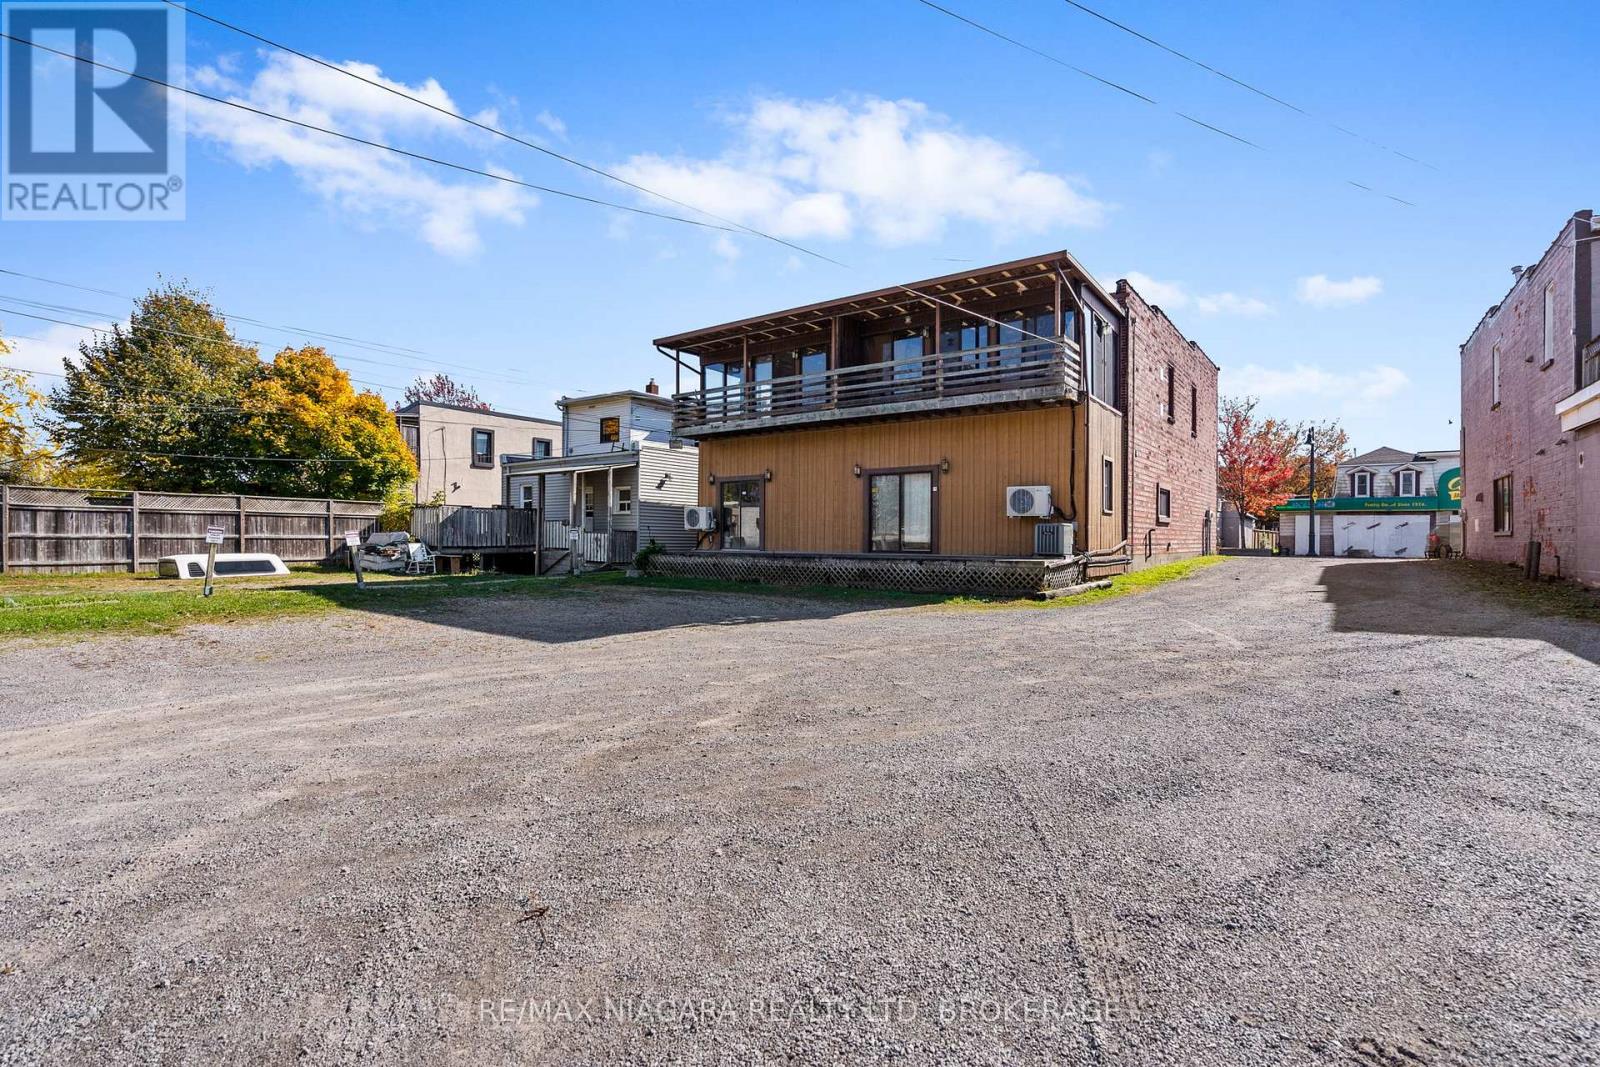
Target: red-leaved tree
443 389
1256 465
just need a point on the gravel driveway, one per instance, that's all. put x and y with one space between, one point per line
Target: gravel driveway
1286 811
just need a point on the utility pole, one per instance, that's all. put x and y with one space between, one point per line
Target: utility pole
1311 491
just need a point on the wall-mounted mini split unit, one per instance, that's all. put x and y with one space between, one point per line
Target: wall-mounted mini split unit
698 518
1028 501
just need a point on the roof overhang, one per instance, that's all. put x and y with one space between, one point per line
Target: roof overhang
1034 274
573 464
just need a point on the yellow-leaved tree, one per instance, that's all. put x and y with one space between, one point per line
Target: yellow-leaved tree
311 434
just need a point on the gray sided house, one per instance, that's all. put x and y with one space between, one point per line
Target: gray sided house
619 483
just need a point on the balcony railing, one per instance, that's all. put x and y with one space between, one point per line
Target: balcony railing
994 375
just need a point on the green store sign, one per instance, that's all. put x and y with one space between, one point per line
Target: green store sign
1447 499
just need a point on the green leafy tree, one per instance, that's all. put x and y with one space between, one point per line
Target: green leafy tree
342 443
151 403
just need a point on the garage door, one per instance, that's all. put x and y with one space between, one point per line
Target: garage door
1402 536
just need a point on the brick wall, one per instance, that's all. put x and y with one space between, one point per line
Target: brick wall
1176 453
1555 477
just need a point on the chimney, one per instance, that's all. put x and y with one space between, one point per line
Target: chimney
652 388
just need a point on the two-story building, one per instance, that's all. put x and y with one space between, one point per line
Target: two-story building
1530 414
459 450
619 482
1386 503
950 419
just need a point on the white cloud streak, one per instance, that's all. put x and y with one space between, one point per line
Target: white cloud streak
365 183
1321 291
891 168
1174 296
1371 385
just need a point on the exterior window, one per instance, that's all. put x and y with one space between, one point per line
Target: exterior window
1591 365
1163 504
1502 505
530 496
1172 393
624 500
1494 377
1194 411
740 520
1361 484
900 512
1407 483
483 448
813 365
1549 324
541 448
1105 361
588 501
610 429
1108 485
413 436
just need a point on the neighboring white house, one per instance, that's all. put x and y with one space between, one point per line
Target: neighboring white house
620 481
460 451
1386 502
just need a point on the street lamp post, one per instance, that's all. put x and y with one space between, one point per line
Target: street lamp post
1311 491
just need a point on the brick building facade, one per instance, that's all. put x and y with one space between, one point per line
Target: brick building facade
1530 414
1172 437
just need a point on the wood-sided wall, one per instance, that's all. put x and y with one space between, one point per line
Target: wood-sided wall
815 503
1099 437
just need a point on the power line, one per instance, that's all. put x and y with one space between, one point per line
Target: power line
1086 9
1186 117
731 223
364 141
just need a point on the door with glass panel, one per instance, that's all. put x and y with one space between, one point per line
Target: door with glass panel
900 511
740 501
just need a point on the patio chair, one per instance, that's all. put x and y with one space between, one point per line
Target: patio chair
422 561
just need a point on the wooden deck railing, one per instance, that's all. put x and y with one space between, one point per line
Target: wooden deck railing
455 527
974 376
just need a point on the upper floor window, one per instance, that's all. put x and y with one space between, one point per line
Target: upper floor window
1591 365
1406 483
1549 325
610 429
541 448
1194 411
1104 362
483 448
413 437
1172 393
1361 483
1494 376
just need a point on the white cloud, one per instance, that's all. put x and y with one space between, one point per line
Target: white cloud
1174 296
364 182
1376 383
552 123
45 349
1321 291
804 169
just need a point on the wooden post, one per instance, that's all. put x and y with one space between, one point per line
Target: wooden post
133 535
327 528
538 532
5 527
938 350
611 515
239 501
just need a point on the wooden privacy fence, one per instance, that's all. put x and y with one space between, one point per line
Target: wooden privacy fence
74 530
455 526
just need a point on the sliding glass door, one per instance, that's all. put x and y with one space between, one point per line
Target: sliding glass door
740 518
900 511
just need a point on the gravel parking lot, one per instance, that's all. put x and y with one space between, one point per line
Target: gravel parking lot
1286 811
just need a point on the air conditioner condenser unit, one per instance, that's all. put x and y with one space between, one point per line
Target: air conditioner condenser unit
1053 539
1028 501
700 518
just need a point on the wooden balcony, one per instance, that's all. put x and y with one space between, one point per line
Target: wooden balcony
1033 373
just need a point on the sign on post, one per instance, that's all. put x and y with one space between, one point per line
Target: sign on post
214 536
352 541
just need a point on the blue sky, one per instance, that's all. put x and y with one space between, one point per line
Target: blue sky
892 138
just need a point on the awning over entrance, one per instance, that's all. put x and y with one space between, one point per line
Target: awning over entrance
573 464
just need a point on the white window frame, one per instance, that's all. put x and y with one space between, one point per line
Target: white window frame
1163 496
623 505
588 501
1356 479
1400 482
530 496
1108 485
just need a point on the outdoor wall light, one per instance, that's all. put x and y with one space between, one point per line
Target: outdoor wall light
944 466
711 479
767 474
856 470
